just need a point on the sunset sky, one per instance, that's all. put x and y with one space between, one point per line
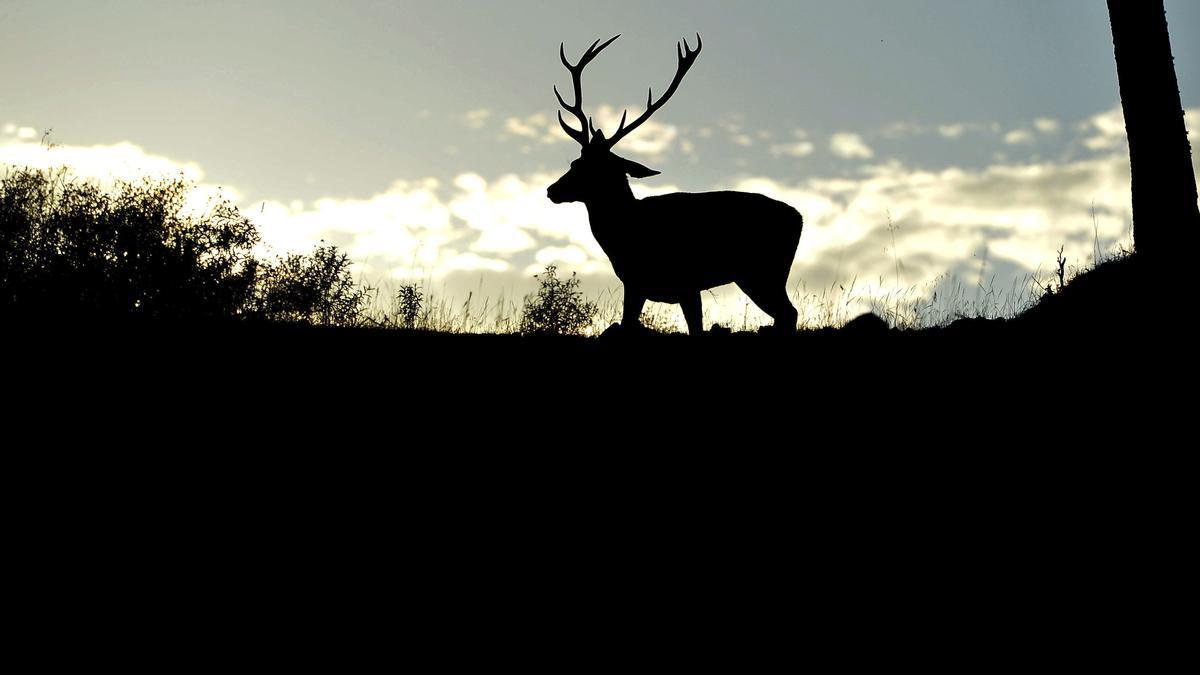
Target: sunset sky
421 136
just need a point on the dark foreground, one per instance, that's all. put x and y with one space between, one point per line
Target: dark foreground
1120 324
970 495
1108 362
1023 366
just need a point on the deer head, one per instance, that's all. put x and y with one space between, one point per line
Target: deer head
599 172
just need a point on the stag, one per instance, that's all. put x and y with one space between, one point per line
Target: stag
669 248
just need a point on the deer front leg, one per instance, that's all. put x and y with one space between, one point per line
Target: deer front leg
693 314
631 316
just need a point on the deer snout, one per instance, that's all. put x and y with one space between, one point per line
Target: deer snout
554 193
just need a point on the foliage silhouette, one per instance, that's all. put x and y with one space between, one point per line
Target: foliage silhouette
316 288
71 249
558 308
68 246
409 303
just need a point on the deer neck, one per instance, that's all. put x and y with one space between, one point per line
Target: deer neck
611 208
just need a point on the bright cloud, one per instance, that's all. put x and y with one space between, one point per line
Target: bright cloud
106 164
899 130
1108 129
952 130
537 125
1018 137
798 149
120 161
475 119
849 146
1046 125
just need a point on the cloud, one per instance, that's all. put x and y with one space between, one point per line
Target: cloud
407 226
1046 125
798 149
121 161
568 257
1107 129
537 125
1019 137
106 164
900 130
475 119
471 262
849 146
510 213
952 130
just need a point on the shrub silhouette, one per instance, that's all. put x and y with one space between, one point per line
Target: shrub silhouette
558 308
409 302
71 249
316 288
68 246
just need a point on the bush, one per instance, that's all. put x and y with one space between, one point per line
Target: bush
409 302
558 308
316 288
69 249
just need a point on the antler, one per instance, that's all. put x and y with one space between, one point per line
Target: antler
686 58
580 135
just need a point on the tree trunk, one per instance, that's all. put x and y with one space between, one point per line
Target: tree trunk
1165 215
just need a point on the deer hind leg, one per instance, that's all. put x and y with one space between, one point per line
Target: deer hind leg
772 298
631 315
693 313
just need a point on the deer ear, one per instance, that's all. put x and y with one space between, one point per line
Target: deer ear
636 170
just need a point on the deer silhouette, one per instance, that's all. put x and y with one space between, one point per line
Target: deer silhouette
669 248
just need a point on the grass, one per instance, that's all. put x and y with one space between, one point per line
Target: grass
935 304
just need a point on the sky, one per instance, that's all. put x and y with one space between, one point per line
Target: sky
933 146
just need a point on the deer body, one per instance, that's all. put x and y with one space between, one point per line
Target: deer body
669 248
